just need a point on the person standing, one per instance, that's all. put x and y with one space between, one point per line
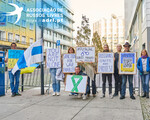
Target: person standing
14 79
143 66
125 77
104 76
118 78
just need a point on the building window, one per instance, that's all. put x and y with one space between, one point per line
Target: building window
10 1
23 40
18 23
17 38
24 7
10 37
31 26
23 23
10 19
31 41
2 35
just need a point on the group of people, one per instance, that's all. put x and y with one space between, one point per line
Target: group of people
143 65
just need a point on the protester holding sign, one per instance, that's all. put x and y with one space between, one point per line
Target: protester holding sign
124 78
14 79
118 78
79 72
104 76
143 66
53 60
71 50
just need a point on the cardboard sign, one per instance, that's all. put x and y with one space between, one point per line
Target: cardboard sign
53 58
76 83
105 62
85 54
127 63
13 56
69 63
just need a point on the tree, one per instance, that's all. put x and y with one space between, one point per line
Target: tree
83 33
97 43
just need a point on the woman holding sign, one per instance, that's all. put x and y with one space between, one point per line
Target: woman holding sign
71 50
143 66
104 76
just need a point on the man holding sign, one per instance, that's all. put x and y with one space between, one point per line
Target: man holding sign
78 83
12 57
125 76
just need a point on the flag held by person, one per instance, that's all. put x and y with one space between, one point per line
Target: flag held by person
34 54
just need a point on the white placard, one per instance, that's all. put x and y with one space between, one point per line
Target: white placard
69 63
76 83
105 62
53 58
85 54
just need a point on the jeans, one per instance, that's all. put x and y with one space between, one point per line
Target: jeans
55 83
118 82
145 83
124 81
109 81
14 81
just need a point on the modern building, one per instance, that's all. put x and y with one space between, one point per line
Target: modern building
110 31
54 31
23 32
137 24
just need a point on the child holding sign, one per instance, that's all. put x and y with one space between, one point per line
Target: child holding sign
143 66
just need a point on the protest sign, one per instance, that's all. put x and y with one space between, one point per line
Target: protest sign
76 83
53 58
127 63
69 63
85 54
13 56
105 62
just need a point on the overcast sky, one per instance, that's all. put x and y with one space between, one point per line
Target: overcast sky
95 9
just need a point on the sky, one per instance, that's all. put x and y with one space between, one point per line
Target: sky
95 10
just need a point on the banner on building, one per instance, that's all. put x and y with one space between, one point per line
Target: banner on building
76 83
105 63
127 63
13 56
85 54
69 63
53 58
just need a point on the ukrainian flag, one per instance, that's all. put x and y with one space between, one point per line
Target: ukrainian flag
29 69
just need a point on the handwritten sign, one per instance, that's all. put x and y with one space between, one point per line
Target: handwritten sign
53 58
85 54
13 56
105 63
76 83
69 63
127 63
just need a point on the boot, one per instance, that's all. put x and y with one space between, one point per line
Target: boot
144 95
147 95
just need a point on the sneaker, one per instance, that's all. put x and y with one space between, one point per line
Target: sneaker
18 94
13 95
79 95
132 97
147 95
75 94
84 97
70 94
122 97
102 96
58 94
144 95
94 95
110 96
115 95
54 94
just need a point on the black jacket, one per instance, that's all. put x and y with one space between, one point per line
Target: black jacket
116 65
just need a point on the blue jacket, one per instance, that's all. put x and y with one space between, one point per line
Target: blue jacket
140 66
